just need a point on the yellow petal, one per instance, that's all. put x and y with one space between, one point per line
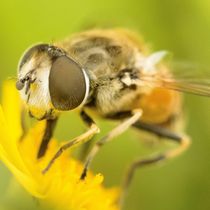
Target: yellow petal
12 108
60 187
8 144
10 155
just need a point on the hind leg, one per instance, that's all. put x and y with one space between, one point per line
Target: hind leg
182 141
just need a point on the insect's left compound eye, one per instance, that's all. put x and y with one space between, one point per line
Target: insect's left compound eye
68 84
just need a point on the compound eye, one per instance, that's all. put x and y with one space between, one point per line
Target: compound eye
68 84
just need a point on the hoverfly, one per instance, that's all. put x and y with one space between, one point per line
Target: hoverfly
111 73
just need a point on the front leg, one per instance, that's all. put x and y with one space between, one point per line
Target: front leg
93 129
50 126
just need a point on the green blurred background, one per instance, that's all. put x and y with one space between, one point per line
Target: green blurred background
180 26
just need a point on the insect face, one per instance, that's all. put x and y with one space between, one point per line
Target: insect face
49 81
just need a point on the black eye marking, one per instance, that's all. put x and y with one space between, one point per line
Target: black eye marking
67 84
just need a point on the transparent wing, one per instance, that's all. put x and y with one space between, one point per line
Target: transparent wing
198 86
180 76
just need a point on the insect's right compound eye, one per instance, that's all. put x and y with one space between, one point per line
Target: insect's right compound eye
68 84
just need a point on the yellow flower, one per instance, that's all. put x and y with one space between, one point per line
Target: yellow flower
60 187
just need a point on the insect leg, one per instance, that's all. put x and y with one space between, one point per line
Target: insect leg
93 129
182 140
113 133
85 148
50 125
87 145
